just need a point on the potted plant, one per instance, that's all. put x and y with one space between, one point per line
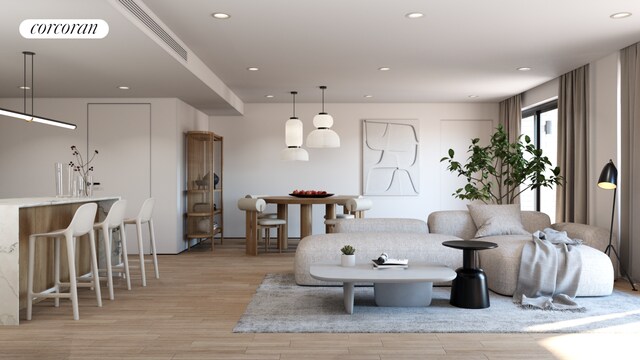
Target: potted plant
516 166
348 256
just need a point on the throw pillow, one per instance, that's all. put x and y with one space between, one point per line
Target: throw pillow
497 219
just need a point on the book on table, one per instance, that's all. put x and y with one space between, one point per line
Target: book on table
384 262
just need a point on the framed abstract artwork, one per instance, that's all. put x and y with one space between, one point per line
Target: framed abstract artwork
391 157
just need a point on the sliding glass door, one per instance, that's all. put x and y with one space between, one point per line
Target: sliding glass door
540 123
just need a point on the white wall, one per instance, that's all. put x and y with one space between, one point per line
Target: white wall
603 118
28 152
252 145
540 94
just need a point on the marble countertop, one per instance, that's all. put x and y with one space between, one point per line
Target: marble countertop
45 201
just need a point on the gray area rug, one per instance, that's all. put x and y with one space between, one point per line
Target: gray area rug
280 305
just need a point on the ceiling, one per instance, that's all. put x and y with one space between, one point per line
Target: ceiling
459 48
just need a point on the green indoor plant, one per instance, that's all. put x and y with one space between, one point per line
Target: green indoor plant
518 166
348 257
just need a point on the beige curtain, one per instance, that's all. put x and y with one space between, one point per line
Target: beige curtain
629 180
573 143
511 116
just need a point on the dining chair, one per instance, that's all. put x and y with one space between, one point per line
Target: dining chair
255 224
353 208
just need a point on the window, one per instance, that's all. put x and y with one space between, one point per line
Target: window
540 123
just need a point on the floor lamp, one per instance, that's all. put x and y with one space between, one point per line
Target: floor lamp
609 180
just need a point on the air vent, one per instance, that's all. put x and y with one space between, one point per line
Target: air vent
155 27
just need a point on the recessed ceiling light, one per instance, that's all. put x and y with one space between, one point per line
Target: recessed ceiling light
620 15
473 96
384 68
123 87
524 68
269 96
24 88
368 96
414 15
253 68
221 16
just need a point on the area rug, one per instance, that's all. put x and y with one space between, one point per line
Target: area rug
281 306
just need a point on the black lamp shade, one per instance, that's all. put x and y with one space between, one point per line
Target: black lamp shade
609 176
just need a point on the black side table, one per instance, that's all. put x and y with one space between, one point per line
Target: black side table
469 289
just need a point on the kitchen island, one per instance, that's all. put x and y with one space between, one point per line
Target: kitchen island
24 216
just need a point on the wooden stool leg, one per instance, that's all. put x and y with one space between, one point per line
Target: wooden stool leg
72 277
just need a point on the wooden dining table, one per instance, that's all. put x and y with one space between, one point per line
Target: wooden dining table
306 211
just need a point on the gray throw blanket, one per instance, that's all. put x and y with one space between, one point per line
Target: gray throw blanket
549 272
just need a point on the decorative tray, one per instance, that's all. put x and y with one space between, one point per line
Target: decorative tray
311 196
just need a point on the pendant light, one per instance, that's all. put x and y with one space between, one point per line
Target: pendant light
24 115
293 138
323 136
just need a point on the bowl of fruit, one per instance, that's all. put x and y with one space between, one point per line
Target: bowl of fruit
310 193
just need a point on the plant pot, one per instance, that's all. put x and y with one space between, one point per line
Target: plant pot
348 260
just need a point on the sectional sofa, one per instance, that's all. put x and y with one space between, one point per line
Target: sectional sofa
422 242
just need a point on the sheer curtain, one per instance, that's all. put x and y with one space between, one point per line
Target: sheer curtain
629 182
510 117
573 143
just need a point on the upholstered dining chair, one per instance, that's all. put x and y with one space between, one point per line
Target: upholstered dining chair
353 208
253 208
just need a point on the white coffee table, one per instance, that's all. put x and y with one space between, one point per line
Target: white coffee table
391 287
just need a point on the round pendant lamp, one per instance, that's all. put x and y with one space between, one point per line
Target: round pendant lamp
323 136
293 133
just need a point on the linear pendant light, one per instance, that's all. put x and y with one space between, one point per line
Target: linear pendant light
31 117
293 138
323 136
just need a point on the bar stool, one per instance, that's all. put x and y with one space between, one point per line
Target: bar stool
144 217
253 207
114 220
81 224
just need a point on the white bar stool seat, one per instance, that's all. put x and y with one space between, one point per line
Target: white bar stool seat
114 220
144 217
81 224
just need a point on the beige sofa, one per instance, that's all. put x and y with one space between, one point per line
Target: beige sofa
400 238
417 241
503 263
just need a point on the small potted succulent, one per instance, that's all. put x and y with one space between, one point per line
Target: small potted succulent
348 256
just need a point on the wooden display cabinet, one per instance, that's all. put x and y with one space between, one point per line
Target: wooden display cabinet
203 203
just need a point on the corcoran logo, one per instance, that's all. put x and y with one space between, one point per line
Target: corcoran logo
64 29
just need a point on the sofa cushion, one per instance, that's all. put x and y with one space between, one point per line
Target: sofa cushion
497 219
452 222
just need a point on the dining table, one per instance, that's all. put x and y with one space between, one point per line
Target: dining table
306 211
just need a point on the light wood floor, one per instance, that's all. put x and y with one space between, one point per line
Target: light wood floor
189 313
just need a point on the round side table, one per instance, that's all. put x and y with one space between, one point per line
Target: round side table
469 289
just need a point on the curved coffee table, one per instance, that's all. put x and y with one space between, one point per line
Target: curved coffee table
391 287
469 290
